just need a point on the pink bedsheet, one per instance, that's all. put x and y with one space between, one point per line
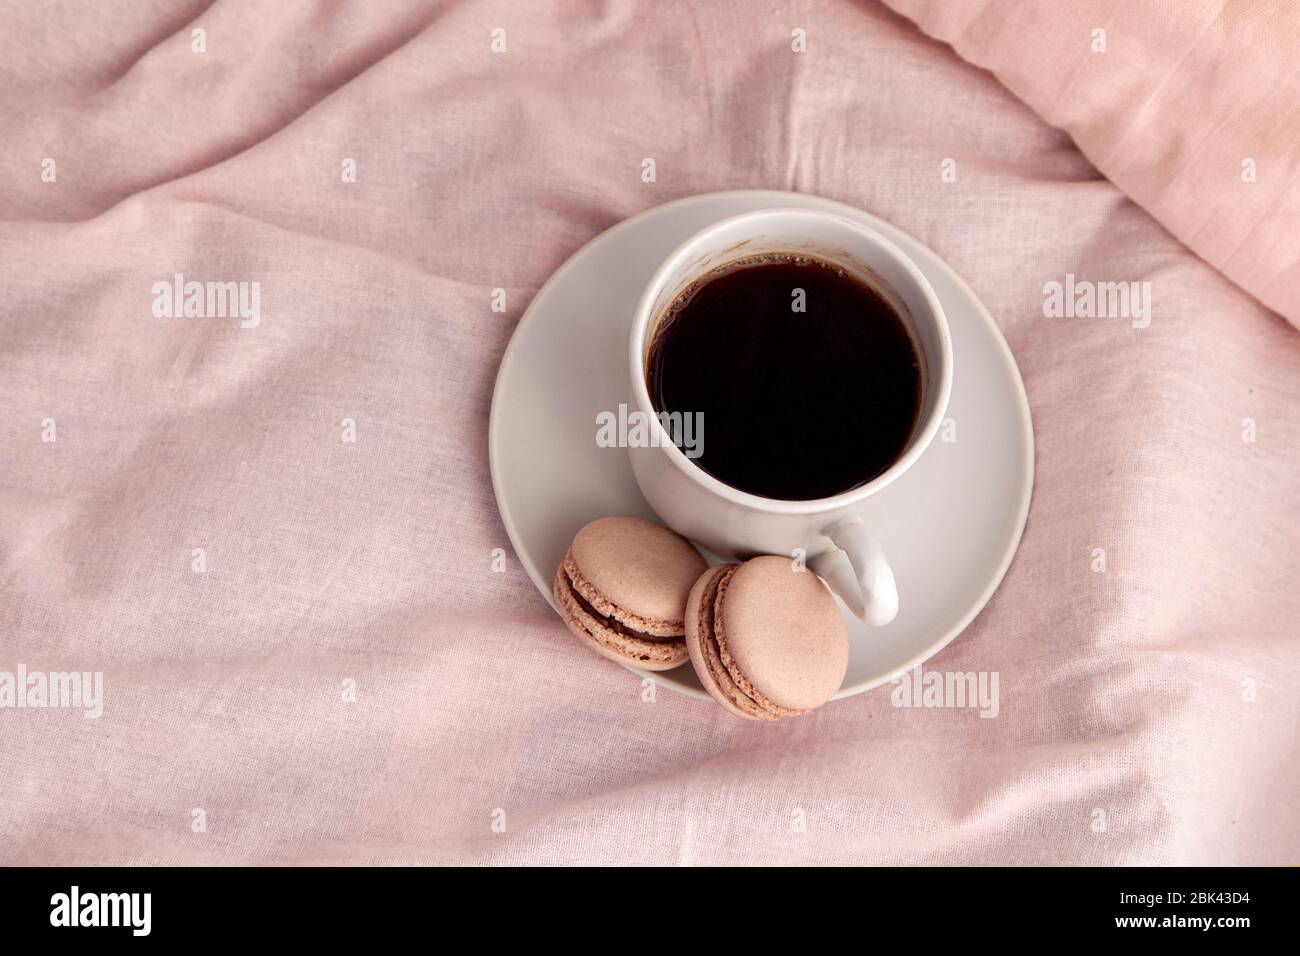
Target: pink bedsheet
307 655
1191 108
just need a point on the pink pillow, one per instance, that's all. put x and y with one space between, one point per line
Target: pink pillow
1193 109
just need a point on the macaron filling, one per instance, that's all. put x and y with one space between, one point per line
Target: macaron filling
641 628
714 636
654 653
608 620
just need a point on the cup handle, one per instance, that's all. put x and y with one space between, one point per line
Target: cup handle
857 571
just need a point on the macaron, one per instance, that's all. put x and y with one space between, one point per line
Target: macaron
622 590
766 640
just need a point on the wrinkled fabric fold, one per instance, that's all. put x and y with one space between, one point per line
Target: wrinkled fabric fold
1192 109
279 544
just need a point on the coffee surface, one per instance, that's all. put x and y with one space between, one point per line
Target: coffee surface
796 404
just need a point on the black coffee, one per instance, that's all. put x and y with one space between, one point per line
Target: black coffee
795 404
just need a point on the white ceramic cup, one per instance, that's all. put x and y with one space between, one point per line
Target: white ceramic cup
734 524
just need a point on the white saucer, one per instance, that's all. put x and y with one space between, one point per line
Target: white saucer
950 525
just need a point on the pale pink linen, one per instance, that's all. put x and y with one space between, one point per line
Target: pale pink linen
1192 108
1160 695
